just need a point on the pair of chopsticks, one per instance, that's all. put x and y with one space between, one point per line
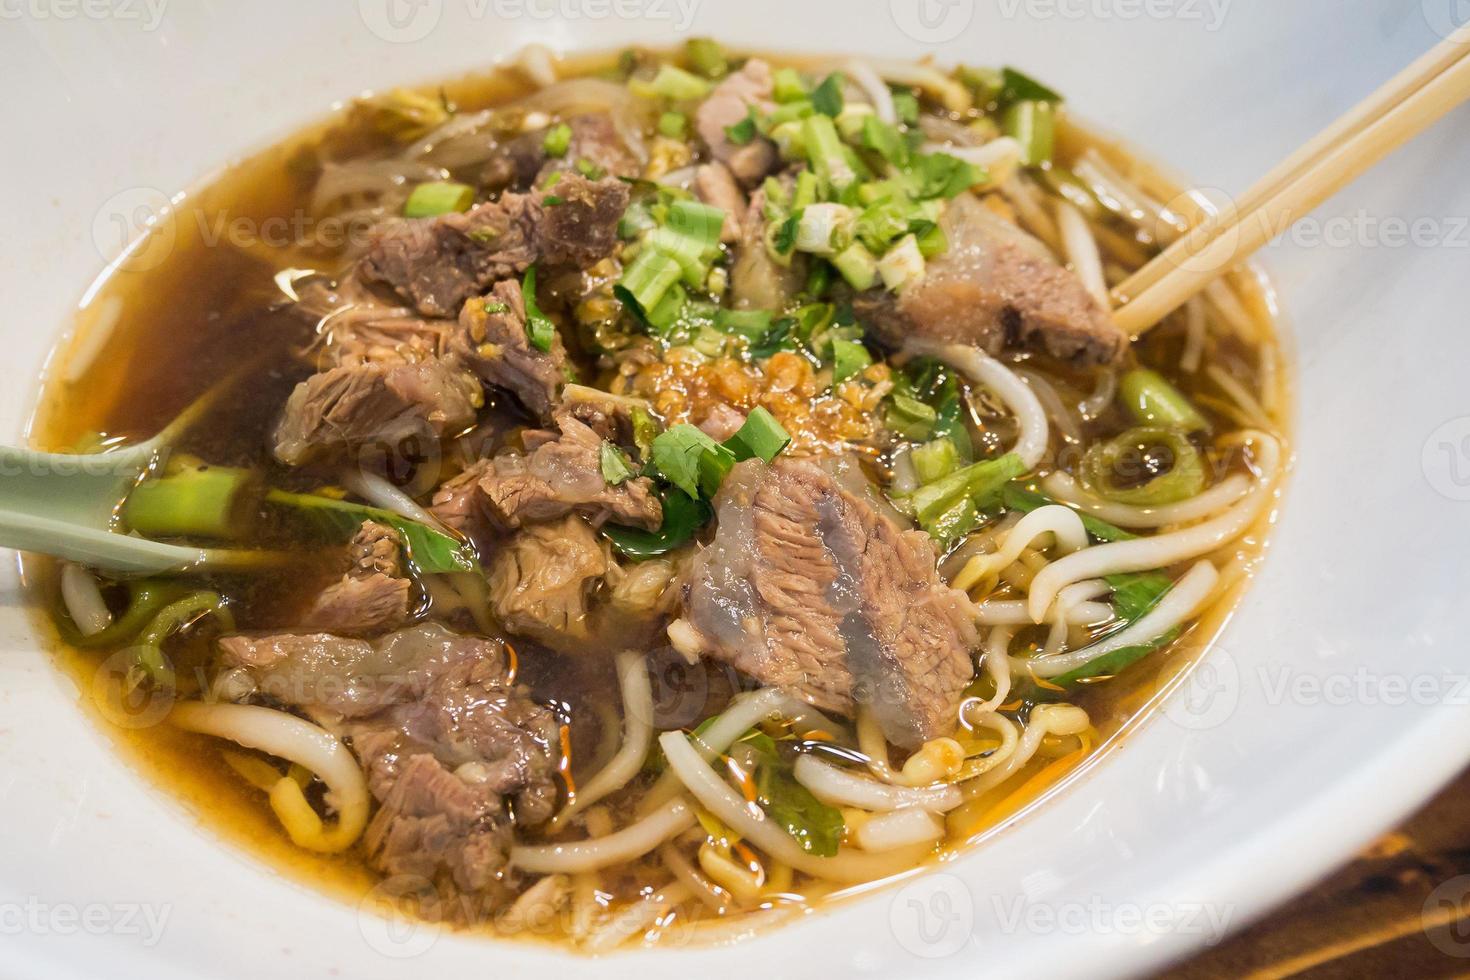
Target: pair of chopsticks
1399 111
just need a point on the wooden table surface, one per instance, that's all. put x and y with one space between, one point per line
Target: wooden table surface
1402 909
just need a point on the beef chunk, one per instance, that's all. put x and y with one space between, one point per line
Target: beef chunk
730 102
595 145
757 281
343 409
809 587
373 595
440 263
492 339
715 186
997 288
542 579
560 476
455 754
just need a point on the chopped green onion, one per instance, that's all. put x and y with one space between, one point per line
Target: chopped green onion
910 417
671 83
884 140
1033 125
804 194
558 140
674 125
760 437
849 359
827 97
789 112
985 84
935 460
824 229
636 220
906 106
751 324
979 483
539 328
616 468
939 175
1017 87
692 461
590 170
827 154
788 86
858 266
646 281
818 278
782 238
1152 400
744 131
438 197
903 264
1134 456
707 57
210 502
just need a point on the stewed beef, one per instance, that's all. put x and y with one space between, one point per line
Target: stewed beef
997 288
440 263
810 587
492 339
562 474
373 594
455 753
729 103
595 149
375 403
542 579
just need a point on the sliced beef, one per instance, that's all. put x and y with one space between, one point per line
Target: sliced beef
559 476
373 595
757 281
997 288
440 263
454 773
455 754
542 579
715 185
523 162
810 587
375 403
334 678
492 340
730 102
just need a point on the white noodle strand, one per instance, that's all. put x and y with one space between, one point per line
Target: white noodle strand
985 370
1063 487
593 854
637 738
840 787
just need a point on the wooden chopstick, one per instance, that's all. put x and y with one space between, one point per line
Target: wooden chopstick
1392 116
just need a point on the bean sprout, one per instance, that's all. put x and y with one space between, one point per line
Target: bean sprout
839 787
593 854
1065 488
637 737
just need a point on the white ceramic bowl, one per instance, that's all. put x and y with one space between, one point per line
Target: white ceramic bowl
1331 708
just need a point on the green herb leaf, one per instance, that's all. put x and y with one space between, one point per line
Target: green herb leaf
616 468
683 517
433 551
813 824
849 359
744 131
1017 497
539 328
827 97
1017 87
692 461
